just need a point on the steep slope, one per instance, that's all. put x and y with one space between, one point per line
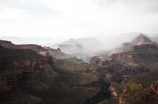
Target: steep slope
29 78
21 64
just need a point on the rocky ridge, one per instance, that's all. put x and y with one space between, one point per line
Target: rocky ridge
140 39
44 51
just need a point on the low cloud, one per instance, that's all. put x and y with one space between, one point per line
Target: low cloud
79 18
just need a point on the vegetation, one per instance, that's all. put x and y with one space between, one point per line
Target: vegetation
23 99
73 66
137 94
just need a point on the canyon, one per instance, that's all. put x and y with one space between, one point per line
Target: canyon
33 74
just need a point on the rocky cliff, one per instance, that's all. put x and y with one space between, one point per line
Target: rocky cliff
145 53
137 51
137 94
21 64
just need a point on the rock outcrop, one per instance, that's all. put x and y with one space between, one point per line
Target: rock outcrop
136 94
21 63
100 60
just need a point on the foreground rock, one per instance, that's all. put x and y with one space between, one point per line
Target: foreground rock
136 94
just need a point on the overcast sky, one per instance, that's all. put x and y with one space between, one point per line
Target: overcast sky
77 18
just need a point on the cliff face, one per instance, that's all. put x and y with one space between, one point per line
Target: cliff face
17 64
142 54
135 58
145 48
7 82
145 53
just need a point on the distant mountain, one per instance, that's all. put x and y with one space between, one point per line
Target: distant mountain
112 41
70 41
140 39
44 51
91 44
70 46
139 51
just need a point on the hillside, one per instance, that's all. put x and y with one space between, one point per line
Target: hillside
29 78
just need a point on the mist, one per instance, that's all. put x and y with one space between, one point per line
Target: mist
77 19
103 24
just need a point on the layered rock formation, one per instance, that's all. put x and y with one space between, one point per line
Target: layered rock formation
140 51
17 64
21 64
144 53
140 39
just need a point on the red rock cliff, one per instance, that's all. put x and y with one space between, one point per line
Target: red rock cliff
21 63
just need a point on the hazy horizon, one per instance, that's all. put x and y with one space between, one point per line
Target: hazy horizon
64 19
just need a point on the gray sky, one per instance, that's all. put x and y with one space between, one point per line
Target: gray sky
77 18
